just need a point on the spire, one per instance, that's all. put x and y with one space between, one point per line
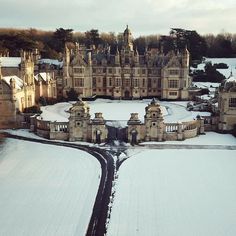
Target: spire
128 44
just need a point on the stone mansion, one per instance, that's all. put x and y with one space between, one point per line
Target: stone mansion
127 74
95 72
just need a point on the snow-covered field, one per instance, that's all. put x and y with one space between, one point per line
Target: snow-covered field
209 138
120 110
46 190
231 62
176 192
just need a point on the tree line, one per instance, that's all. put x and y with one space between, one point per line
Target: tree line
51 43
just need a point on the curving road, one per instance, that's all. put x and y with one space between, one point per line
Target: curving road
97 224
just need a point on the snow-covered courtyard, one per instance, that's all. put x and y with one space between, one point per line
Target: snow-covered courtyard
120 110
45 189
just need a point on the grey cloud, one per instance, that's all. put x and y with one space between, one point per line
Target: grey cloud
143 16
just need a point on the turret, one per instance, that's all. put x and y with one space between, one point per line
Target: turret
89 58
154 122
13 88
117 56
128 44
136 57
185 57
27 67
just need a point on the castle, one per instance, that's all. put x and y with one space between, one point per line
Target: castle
96 72
127 74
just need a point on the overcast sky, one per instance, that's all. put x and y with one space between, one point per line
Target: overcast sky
143 16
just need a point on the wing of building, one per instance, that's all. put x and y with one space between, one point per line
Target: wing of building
126 74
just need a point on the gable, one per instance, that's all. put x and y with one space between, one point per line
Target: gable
174 62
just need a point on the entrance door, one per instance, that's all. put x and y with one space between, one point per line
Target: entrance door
134 135
127 94
98 136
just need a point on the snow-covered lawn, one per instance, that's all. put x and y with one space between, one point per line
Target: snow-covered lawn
176 192
120 110
209 138
46 190
231 62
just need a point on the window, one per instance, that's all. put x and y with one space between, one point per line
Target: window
110 81
127 82
110 70
159 83
173 83
126 71
104 82
143 71
153 124
232 102
117 80
173 72
104 70
149 82
78 70
79 82
144 82
136 83
94 82
173 93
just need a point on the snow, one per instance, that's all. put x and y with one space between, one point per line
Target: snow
231 62
209 138
210 86
51 62
10 61
175 192
46 190
19 81
45 76
119 110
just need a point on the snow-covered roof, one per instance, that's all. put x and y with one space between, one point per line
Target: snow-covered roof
231 79
43 75
19 81
10 61
51 62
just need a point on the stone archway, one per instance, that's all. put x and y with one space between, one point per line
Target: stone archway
98 134
127 94
134 135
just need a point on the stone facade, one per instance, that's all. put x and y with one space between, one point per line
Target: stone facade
82 128
154 128
17 93
227 104
22 89
126 74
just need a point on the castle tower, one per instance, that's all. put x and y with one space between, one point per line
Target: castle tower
135 129
128 39
99 130
79 121
27 75
136 57
153 121
185 58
